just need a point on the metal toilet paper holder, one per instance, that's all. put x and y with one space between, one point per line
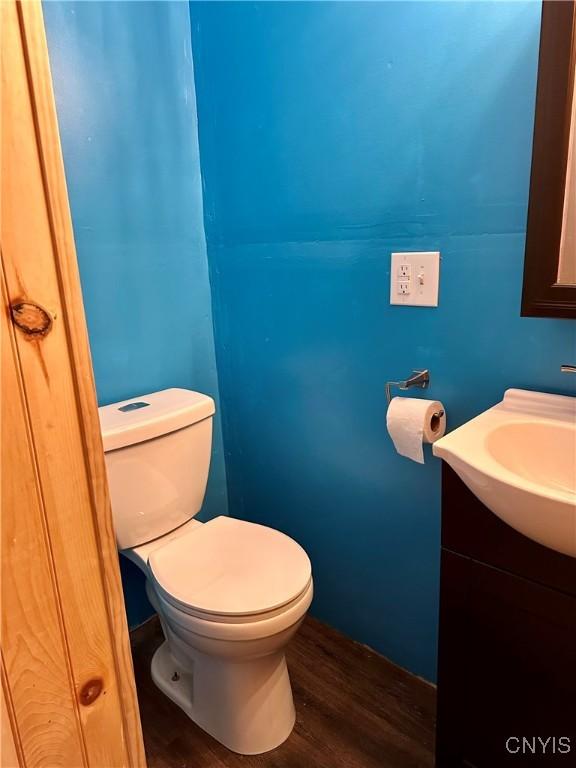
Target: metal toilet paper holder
419 378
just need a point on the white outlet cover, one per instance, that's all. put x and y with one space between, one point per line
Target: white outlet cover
424 278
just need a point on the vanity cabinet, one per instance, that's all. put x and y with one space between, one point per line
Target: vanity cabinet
507 643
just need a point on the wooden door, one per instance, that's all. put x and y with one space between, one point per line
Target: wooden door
68 693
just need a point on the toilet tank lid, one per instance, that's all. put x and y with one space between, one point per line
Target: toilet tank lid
148 416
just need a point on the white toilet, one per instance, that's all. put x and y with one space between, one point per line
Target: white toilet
230 594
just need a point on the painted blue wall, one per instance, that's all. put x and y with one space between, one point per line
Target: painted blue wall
124 85
332 134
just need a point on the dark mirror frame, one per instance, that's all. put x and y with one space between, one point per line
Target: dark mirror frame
542 296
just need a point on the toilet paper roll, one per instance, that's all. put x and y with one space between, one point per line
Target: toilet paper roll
412 422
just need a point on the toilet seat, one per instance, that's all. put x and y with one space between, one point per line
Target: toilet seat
231 571
241 629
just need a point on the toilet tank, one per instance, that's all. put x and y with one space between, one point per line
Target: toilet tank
157 449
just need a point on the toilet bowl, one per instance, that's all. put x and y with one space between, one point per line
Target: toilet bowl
230 594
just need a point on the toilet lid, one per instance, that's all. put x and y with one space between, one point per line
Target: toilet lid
231 567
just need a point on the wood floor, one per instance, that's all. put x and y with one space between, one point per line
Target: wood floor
354 709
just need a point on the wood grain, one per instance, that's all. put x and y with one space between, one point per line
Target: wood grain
10 747
79 349
354 709
39 678
72 537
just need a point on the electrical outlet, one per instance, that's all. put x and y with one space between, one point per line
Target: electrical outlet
414 278
404 270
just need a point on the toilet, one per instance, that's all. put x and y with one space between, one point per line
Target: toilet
230 594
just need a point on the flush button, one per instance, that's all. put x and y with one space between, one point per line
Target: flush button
133 406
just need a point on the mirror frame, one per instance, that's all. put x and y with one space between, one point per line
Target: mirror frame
542 296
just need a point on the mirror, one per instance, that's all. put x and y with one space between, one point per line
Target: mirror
567 260
550 259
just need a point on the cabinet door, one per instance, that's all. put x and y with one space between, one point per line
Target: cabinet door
68 693
507 669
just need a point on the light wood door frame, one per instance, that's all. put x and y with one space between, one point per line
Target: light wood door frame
69 695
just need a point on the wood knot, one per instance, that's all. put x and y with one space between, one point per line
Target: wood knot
91 690
31 318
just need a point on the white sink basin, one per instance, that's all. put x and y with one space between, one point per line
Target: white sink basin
519 459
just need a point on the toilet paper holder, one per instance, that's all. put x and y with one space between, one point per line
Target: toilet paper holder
419 378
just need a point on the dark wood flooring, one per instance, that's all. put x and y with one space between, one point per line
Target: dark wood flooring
354 709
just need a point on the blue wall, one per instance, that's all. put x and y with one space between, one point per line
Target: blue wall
124 85
332 134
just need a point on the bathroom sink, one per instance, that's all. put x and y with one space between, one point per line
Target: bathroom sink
519 459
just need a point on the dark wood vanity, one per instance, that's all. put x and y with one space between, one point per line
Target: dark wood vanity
507 648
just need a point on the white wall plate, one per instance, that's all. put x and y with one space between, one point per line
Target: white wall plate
414 278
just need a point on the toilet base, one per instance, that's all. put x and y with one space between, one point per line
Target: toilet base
172 679
245 705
